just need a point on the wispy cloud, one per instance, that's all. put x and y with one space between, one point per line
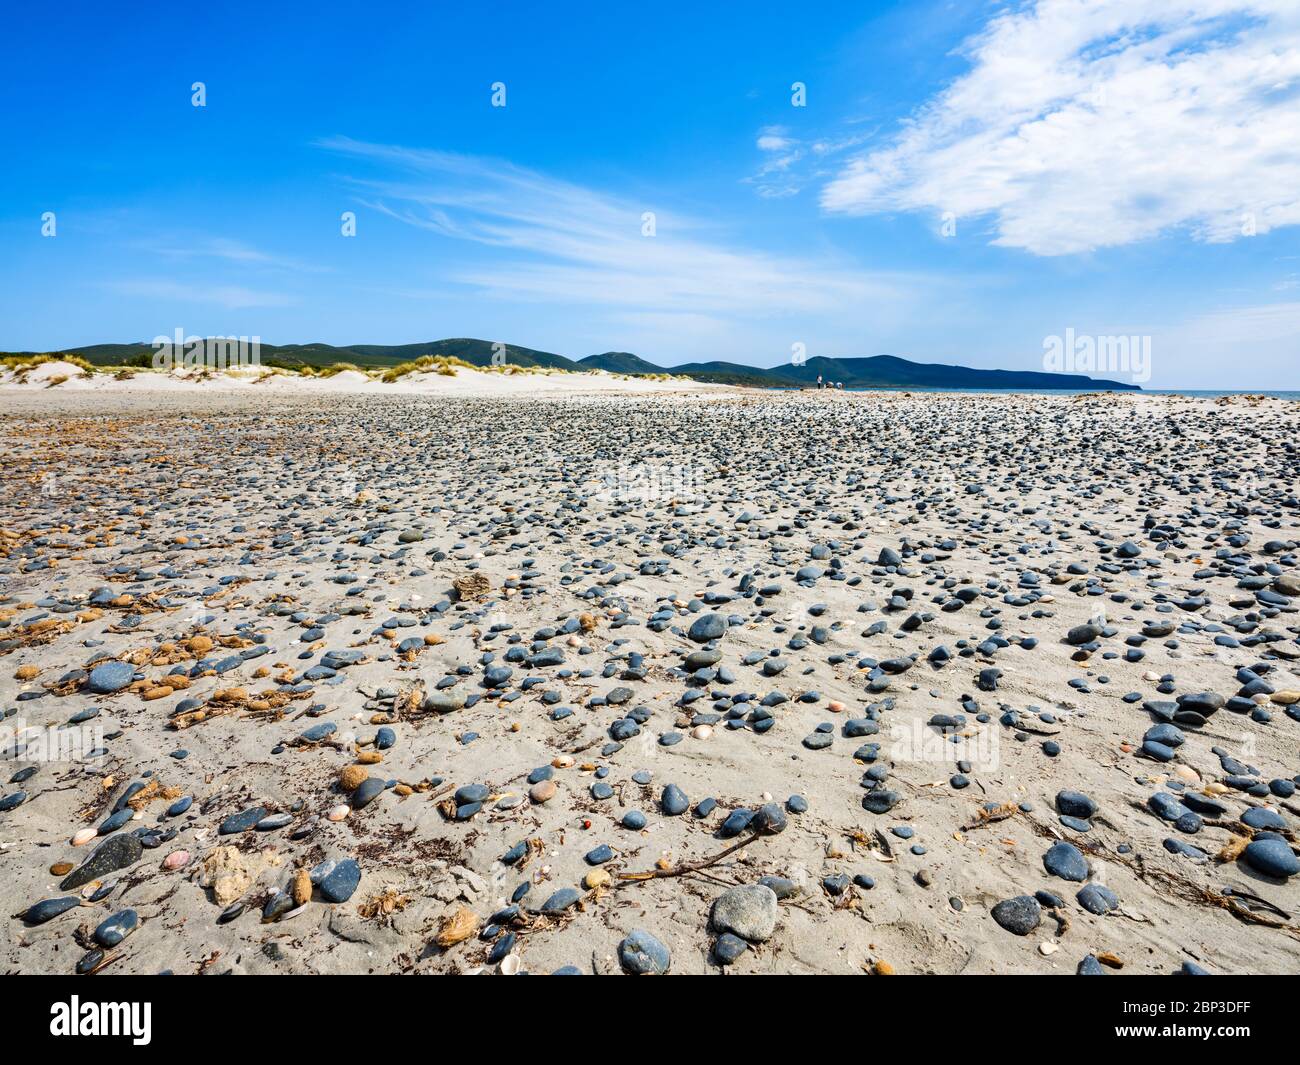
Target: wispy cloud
781 152
224 249
564 243
230 297
1085 124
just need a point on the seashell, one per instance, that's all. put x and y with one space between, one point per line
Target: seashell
509 965
337 813
83 836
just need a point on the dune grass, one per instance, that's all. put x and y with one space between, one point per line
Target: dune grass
22 365
446 365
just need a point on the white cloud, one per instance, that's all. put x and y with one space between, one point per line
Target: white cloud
774 139
774 178
231 251
565 243
1085 124
231 297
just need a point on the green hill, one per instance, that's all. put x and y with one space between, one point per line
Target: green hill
876 371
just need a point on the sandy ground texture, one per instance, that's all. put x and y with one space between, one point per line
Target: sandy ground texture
702 681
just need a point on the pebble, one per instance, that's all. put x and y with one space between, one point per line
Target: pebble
641 954
748 911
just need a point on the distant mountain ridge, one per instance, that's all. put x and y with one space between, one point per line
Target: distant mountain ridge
873 371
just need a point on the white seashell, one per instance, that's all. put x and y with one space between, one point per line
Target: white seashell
509 965
337 813
83 836
701 732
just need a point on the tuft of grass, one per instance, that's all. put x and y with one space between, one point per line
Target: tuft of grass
335 368
442 364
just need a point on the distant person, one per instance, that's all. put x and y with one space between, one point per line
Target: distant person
819 380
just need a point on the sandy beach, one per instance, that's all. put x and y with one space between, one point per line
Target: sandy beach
580 673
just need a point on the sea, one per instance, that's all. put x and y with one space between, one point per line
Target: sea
1198 393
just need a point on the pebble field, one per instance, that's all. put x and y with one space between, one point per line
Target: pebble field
707 682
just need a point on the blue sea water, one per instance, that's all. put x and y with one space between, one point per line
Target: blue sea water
1199 393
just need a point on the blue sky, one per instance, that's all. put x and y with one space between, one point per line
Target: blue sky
1111 167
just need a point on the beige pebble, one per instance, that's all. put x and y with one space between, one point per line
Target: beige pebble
351 776
702 732
542 791
596 878
300 888
176 860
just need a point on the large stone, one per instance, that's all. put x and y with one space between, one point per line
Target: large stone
1019 915
1066 861
1272 857
341 882
109 677
750 911
443 702
643 955
117 852
707 627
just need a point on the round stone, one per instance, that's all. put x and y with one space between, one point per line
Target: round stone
642 954
1019 915
749 911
